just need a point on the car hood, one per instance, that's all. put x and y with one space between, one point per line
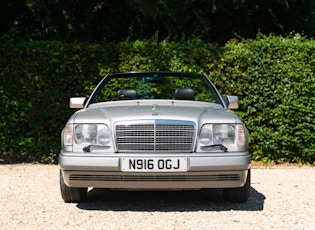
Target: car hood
110 113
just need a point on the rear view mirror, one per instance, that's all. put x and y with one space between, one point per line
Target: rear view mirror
77 102
231 102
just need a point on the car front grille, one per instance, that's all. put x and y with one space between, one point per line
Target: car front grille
155 136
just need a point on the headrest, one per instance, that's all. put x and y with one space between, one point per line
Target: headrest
127 94
184 94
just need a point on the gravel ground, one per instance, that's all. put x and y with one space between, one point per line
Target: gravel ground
281 197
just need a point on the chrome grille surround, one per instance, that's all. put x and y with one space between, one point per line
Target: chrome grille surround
155 136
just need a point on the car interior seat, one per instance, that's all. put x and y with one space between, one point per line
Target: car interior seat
127 94
184 94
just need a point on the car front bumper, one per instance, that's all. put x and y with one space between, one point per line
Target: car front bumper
210 170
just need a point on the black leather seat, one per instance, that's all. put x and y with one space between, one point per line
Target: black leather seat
125 94
184 94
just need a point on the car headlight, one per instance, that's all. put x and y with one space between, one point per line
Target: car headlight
91 134
86 134
223 134
231 136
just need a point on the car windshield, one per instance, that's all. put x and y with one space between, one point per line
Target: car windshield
155 85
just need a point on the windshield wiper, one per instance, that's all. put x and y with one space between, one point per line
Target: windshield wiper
219 146
87 148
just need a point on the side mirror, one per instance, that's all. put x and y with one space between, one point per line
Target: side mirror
77 102
231 102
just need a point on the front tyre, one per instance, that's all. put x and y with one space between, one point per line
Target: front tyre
238 194
71 194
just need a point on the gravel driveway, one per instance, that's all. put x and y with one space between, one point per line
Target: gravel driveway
280 198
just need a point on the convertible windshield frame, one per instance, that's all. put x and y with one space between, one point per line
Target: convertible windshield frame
159 78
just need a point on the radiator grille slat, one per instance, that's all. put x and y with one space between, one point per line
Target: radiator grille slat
155 136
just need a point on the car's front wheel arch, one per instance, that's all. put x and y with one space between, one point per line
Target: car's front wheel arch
71 194
240 194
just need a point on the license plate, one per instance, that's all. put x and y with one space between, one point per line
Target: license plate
154 164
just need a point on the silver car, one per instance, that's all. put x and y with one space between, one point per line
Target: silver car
154 131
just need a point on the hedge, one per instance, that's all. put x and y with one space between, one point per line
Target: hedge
273 77
37 80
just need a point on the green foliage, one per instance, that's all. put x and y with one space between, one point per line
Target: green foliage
185 55
116 20
273 77
38 78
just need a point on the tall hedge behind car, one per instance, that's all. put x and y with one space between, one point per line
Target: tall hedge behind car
273 77
37 79
275 80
